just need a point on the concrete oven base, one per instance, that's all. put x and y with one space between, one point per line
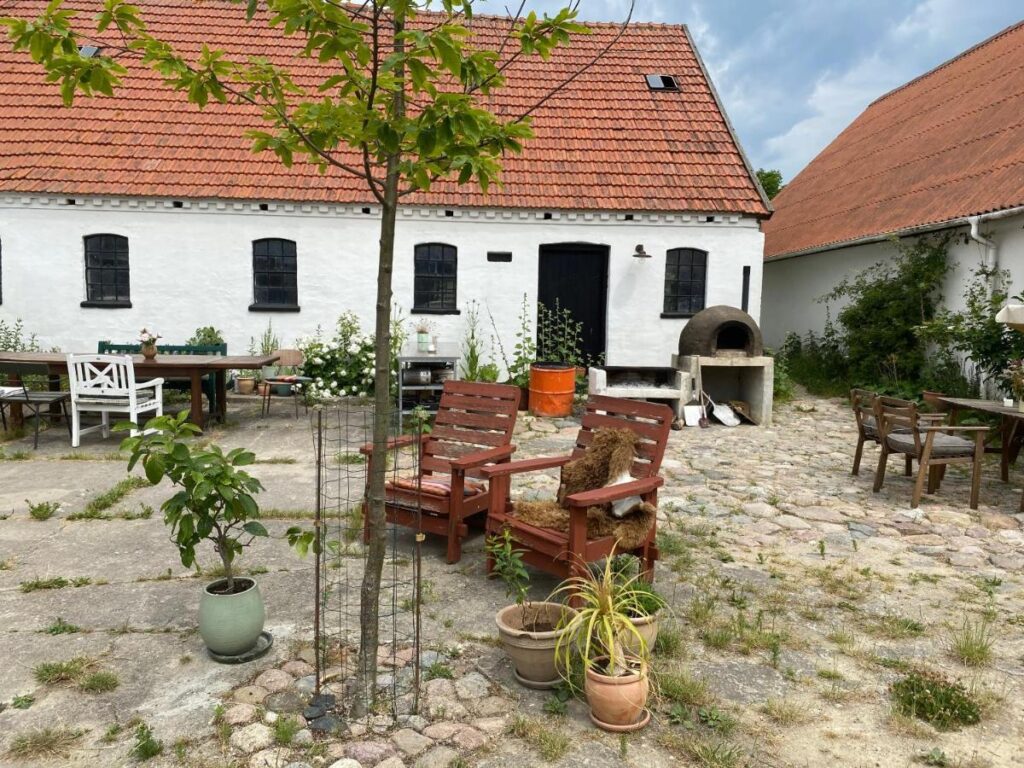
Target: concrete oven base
676 390
729 377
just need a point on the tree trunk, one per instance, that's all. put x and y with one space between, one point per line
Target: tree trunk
369 597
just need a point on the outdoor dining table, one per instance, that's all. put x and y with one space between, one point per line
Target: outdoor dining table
1011 426
192 367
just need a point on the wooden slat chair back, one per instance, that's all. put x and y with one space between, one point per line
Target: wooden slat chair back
904 430
472 429
286 358
863 402
106 384
565 553
14 391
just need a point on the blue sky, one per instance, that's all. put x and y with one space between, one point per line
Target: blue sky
794 73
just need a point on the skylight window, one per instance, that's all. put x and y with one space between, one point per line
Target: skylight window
88 51
662 83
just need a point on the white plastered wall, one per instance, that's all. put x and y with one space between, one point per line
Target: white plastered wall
792 286
192 266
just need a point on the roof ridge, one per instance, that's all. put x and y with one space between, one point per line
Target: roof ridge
948 62
909 137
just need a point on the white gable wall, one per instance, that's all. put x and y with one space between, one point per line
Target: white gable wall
192 266
792 286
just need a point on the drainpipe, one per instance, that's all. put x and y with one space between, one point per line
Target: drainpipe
991 252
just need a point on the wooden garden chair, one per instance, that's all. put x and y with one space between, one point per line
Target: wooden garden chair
472 429
568 553
903 430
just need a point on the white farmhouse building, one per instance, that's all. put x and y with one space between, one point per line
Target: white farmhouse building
141 210
943 153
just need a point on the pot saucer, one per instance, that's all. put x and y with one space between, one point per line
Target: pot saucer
645 718
263 643
537 685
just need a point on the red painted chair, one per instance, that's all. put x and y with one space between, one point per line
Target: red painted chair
472 429
566 553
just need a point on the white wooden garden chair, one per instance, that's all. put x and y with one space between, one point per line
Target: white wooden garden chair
106 384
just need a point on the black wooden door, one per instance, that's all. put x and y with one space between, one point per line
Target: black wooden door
575 276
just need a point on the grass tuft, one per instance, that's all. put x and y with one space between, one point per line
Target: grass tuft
104 501
146 746
61 627
785 712
44 742
285 729
684 688
53 672
551 743
42 510
99 682
972 643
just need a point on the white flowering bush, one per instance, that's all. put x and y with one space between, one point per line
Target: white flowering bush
341 366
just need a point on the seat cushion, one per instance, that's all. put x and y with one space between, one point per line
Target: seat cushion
943 446
142 396
436 485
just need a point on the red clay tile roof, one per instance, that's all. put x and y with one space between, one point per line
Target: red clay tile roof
605 143
946 145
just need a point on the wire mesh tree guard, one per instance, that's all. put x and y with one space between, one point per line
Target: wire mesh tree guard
341 435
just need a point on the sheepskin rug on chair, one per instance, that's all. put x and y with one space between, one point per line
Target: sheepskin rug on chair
605 462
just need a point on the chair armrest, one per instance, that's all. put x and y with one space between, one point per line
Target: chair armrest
395 442
956 428
479 458
527 465
148 384
614 492
932 416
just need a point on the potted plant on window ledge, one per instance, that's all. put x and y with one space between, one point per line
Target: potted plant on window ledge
214 503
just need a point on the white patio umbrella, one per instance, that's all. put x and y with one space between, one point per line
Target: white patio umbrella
1013 316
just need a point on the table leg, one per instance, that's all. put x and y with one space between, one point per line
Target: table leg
1006 428
16 416
222 395
197 398
56 412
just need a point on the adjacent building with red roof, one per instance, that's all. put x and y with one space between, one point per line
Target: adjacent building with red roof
943 152
142 210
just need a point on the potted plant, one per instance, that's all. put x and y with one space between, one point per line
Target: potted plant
423 328
528 631
602 636
147 343
553 375
214 503
245 382
1015 373
268 344
644 614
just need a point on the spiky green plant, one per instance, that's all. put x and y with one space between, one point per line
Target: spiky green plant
601 632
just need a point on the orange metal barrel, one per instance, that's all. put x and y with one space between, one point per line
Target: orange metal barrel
552 386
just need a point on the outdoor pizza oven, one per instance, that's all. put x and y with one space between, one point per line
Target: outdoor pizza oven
722 350
721 331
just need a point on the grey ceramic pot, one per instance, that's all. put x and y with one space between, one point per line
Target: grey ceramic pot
231 624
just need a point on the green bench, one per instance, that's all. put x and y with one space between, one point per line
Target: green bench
209 385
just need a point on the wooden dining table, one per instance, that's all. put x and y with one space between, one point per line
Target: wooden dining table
1011 426
192 367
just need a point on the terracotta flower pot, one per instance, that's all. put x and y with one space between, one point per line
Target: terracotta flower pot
647 626
617 703
245 385
149 351
532 652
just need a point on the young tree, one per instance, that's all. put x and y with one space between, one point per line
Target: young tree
401 103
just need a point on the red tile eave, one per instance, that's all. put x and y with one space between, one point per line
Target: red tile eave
607 144
947 145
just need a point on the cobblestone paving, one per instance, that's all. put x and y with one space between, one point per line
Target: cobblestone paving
797 598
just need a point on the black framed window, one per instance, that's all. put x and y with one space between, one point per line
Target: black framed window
106 271
274 284
436 277
685 281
